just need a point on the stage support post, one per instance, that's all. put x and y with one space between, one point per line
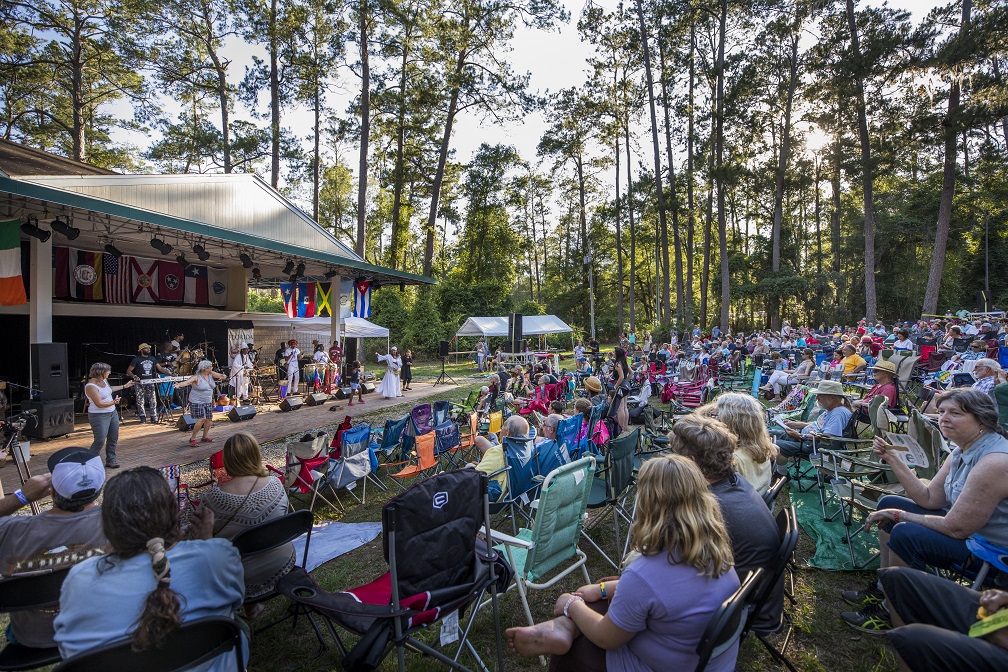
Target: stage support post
334 309
41 294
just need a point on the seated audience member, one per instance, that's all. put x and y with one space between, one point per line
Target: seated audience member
977 350
548 429
968 495
593 390
653 616
903 341
251 497
931 618
831 397
784 375
557 406
152 580
755 451
66 534
755 539
986 371
852 362
491 452
482 401
583 407
885 385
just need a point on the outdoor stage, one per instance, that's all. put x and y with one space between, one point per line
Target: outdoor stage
163 444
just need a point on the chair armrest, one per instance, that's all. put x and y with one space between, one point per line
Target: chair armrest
499 471
502 538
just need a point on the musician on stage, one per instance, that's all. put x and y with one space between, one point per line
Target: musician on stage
168 359
145 367
201 399
177 342
333 375
240 367
321 360
292 354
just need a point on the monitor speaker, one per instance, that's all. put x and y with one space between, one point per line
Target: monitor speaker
239 413
53 418
185 423
443 348
368 387
291 404
316 399
49 370
343 393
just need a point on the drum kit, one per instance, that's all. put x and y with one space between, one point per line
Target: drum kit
189 358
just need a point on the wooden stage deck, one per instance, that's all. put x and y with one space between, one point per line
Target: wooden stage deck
163 444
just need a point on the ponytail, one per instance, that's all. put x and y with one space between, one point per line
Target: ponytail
161 609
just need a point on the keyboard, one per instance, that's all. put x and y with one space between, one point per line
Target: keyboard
166 379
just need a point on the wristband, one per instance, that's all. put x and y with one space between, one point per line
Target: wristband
571 601
895 516
602 588
21 498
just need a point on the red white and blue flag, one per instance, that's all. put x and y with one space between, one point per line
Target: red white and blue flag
288 291
362 298
171 281
196 287
118 279
306 299
145 279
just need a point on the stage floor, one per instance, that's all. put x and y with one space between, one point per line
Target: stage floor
163 444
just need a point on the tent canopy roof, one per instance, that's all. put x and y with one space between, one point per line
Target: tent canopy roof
532 325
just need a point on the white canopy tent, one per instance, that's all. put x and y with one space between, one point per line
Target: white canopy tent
316 327
532 325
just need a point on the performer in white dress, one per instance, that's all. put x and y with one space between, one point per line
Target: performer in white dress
240 367
390 384
293 371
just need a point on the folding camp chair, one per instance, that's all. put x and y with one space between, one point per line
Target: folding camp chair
496 422
726 625
448 445
356 462
553 538
422 463
990 557
437 569
522 469
609 491
567 433
422 417
549 455
187 647
394 445
467 440
787 527
440 411
464 407
29 592
306 465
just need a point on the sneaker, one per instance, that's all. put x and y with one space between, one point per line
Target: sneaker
870 594
111 465
350 404
873 619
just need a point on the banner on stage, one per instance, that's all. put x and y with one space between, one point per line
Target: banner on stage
236 336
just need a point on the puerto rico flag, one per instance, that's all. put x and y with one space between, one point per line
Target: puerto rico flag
145 279
118 279
78 274
362 299
171 281
306 299
196 291
288 292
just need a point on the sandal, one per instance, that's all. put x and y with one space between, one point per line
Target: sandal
193 442
206 439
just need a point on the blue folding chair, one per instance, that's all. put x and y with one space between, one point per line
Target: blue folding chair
550 456
521 466
395 445
440 411
357 462
567 432
448 444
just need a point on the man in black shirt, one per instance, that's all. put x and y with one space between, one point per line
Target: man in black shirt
145 367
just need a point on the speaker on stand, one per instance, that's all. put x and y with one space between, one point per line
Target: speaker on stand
443 355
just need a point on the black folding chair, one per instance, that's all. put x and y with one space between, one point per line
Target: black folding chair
776 485
192 644
726 625
24 593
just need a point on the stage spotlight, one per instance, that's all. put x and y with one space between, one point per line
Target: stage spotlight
329 275
245 259
30 229
160 245
292 278
200 252
113 250
64 229
289 268
256 273
182 260
300 270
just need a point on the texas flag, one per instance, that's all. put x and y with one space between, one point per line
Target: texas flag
288 290
306 299
362 298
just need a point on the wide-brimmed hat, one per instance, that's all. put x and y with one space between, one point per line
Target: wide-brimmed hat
831 387
593 384
143 346
885 365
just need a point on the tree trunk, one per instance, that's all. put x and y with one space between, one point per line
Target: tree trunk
835 214
782 164
662 222
362 166
316 153
818 221
867 170
397 176
274 48
674 198
535 245
585 246
77 87
722 224
997 79
691 213
619 238
951 124
633 227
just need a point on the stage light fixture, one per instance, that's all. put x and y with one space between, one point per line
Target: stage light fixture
64 229
29 228
160 245
299 271
292 278
246 260
200 252
329 275
256 273
289 268
113 250
182 260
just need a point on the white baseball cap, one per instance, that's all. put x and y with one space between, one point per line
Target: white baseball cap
77 473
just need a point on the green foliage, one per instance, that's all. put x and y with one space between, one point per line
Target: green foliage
265 301
424 327
388 309
530 308
456 301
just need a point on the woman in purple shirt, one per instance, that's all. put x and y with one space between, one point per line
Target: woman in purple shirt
653 616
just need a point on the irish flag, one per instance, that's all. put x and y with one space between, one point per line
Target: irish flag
12 292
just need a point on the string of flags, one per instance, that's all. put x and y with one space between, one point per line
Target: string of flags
314 299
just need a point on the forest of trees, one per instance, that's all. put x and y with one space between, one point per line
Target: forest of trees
733 163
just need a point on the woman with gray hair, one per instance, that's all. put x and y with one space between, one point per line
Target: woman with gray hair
103 412
201 399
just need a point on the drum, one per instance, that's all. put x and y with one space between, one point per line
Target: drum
186 363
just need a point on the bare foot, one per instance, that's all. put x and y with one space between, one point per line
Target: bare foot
552 638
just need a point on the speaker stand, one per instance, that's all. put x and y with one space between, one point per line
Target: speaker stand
444 377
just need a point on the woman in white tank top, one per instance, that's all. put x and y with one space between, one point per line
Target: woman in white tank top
103 412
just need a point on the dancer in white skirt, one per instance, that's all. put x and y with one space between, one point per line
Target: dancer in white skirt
389 387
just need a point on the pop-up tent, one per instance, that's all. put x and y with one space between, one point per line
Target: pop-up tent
532 325
277 326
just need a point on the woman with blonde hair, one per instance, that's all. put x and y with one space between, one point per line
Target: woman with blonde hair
251 496
653 616
755 454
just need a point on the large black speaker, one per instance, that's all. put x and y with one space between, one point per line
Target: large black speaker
316 399
291 404
442 348
185 423
49 370
239 413
515 346
514 327
343 392
53 418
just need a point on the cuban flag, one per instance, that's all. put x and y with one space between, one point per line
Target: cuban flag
289 294
306 299
362 298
